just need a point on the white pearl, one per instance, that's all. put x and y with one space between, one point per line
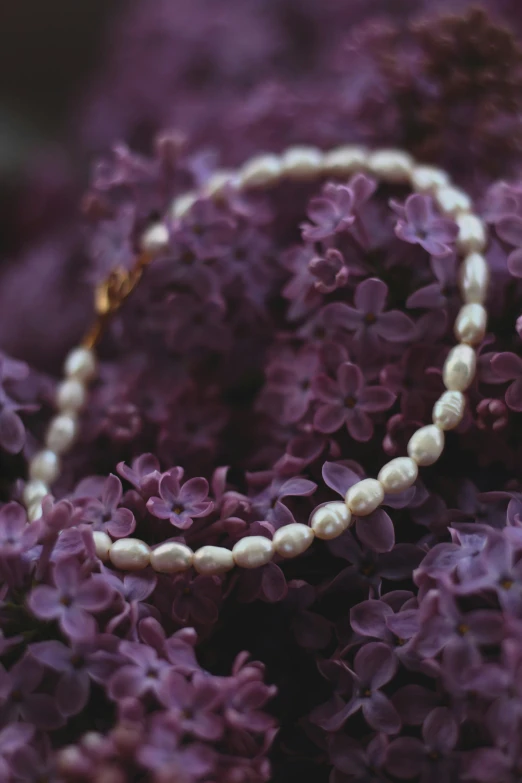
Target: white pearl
253 551
171 558
292 540
398 474
470 325
425 179
45 466
71 395
391 165
345 160
425 446
331 520
130 554
301 162
80 364
155 239
182 205
260 171
364 497
472 234
449 410
34 492
213 560
452 201
102 544
459 368
61 433
474 278
34 511
218 181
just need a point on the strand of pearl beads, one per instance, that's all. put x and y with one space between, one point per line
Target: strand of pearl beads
426 444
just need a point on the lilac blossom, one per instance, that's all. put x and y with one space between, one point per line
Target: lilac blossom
419 224
106 514
180 503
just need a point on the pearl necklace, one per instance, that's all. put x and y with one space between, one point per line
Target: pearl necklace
331 519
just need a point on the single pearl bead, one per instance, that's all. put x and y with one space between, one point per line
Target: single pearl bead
213 560
301 162
425 179
474 278
452 201
253 551
182 205
364 497
391 165
45 466
260 171
171 558
71 395
102 544
398 474
472 234
425 446
345 160
34 511
292 540
130 554
459 368
61 433
80 364
34 492
470 326
331 520
449 410
218 181
155 239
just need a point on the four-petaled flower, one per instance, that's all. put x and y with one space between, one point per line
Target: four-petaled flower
180 503
419 224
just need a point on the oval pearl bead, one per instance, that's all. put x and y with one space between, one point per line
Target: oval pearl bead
364 497
452 201
218 181
398 474
301 162
260 171
80 364
213 560
345 160
182 205
425 446
45 466
130 554
292 540
155 239
34 511
459 368
34 492
391 165
470 325
253 551
449 410
71 396
171 558
425 179
331 520
472 234
102 544
61 433
474 278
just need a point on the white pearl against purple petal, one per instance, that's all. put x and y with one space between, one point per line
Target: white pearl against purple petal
425 446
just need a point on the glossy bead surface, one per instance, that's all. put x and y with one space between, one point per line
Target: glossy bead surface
472 234
61 433
330 520
45 466
213 560
474 278
34 511
260 171
34 492
459 368
364 497
425 446
390 165
182 205
452 201
218 181
155 239
71 395
130 554
470 325
425 179
80 364
301 162
253 551
346 160
292 540
398 474
102 544
449 410
171 558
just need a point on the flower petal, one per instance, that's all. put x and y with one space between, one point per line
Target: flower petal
370 296
376 531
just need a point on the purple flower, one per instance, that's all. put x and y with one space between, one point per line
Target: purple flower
353 762
196 599
16 536
71 600
348 401
131 590
330 270
508 367
193 705
288 390
267 504
247 694
509 229
19 699
419 224
12 738
140 672
178 503
105 515
144 474
431 759
163 753
374 666
377 620
12 430
333 212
